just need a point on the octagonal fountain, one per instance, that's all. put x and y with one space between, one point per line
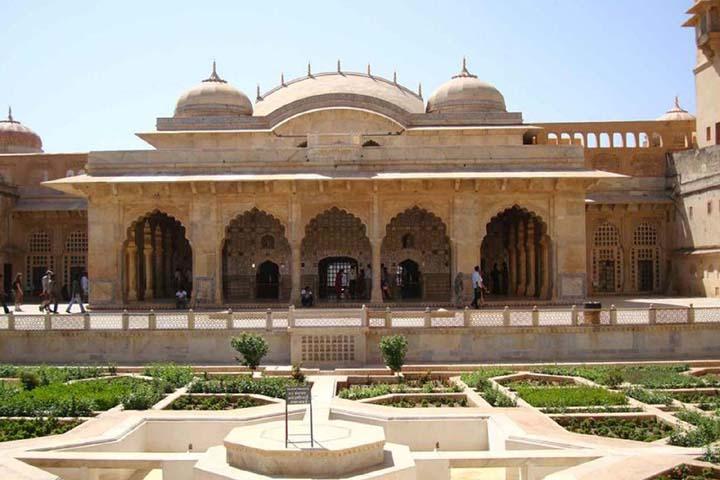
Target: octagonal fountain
340 449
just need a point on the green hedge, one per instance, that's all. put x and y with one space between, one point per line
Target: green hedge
580 396
226 402
650 376
642 429
268 386
175 375
18 429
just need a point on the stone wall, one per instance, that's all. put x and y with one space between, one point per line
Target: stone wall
436 345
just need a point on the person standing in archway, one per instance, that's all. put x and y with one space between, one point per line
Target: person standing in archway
18 292
339 283
477 283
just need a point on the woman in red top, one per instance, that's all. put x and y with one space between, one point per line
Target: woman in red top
18 292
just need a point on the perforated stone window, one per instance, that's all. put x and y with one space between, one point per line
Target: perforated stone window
77 242
328 348
607 259
606 235
645 234
39 242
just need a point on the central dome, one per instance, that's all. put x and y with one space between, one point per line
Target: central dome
676 113
345 89
464 93
213 97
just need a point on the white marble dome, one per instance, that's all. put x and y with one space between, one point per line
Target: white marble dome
213 97
17 138
676 113
465 93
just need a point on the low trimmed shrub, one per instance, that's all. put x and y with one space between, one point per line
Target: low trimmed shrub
639 429
225 402
648 396
268 386
175 375
19 429
579 396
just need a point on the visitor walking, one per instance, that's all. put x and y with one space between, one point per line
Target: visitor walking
477 283
385 283
352 282
76 296
52 294
458 287
2 296
181 299
45 294
85 286
18 292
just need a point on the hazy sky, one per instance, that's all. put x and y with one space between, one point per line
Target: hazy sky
87 75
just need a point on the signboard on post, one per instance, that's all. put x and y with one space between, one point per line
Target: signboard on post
298 396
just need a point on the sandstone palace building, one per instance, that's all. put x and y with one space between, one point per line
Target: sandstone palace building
248 202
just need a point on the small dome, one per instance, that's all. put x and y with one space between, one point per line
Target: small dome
676 113
213 97
464 93
17 138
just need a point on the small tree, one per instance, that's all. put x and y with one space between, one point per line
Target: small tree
393 349
252 347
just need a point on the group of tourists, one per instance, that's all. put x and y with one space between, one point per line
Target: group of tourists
50 293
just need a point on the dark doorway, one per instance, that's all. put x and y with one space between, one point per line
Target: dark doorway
7 277
267 280
36 280
717 133
606 276
645 275
409 276
328 269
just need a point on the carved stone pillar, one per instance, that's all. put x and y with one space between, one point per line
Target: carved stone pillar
545 267
522 260
295 271
512 261
376 296
531 256
159 270
132 269
168 273
148 254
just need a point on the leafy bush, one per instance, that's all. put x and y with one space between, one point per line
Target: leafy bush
706 430
66 400
393 349
143 396
684 472
639 429
176 375
580 396
268 386
695 397
252 347
648 396
29 380
370 390
18 429
411 402
226 402
496 398
480 378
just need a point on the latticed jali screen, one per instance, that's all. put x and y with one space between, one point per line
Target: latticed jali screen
328 348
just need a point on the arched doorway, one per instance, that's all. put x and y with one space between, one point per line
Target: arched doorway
408 277
158 258
328 270
645 261
515 258
267 280
335 239
416 252
607 259
256 258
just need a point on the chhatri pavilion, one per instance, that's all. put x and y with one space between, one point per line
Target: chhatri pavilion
249 202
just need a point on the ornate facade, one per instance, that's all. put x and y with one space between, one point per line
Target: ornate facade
248 202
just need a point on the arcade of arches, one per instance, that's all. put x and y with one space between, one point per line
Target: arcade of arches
336 257
158 258
516 255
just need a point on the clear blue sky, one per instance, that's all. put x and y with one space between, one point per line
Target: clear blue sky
87 75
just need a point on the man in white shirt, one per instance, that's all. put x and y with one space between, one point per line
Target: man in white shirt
477 283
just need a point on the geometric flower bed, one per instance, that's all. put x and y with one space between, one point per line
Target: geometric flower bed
423 400
214 402
267 386
19 429
642 429
649 376
578 396
479 380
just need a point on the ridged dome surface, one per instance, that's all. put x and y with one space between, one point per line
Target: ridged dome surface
465 93
17 138
213 97
676 113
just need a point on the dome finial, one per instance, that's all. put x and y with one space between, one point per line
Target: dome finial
368 70
214 77
257 94
282 79
677 102
338 66
10 119
420 89
309 70
464 72
395 76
